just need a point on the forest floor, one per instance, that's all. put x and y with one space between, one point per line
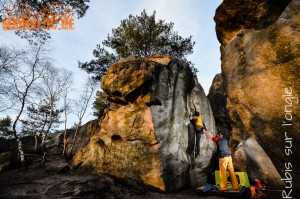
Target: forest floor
55 181
52 181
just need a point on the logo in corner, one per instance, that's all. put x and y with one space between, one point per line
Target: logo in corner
19 16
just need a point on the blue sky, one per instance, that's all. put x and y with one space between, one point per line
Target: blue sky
190 17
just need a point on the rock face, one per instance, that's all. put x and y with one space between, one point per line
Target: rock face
8 152
260 70
247 154
144 136
85 132
233 16
218 98
10 144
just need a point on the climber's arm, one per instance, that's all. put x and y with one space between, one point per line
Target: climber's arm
208 136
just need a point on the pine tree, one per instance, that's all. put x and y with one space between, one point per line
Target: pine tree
141 36
38 119
6 126
100 104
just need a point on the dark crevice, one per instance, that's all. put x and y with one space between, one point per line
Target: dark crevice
132 140
78 165
115 137
154 102
117 93
117 101
101 143
155 74
142 90
155 143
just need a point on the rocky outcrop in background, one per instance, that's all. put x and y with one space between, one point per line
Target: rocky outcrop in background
85 132
53 147
144 136
260 71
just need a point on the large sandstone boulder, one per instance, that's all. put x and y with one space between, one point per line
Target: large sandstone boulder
144 136
232 16
247 154
260 70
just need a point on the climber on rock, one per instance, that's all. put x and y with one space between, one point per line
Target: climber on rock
199 126
225 161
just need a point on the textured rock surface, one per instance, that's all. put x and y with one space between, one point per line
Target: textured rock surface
85 132
144 136
247 154
227 118
251 157
218 100
232 16
259 68
10 144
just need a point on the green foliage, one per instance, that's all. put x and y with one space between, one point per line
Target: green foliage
39 118
6 126
141 36
99 66
100 104
74 126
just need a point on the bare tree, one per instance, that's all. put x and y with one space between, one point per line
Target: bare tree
54 84
28 72
10 58
67 110
83 103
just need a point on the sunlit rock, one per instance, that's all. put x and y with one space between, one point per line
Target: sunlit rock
234 15
144 135
260 70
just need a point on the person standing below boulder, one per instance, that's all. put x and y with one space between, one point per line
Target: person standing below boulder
225 161
199 125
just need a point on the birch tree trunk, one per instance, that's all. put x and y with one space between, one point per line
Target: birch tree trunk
23 82
75 134
83 103
35 141
50 121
